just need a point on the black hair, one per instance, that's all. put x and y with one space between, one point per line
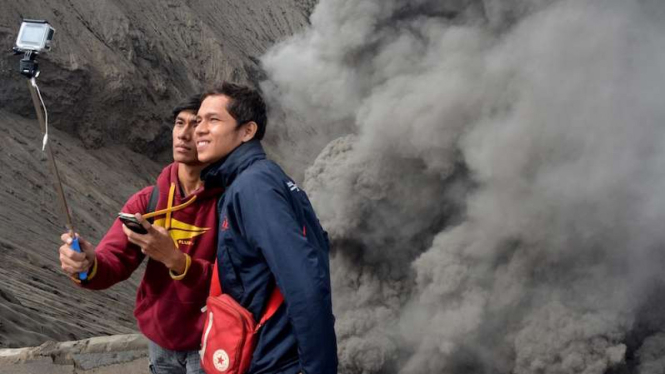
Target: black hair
192 103
245 105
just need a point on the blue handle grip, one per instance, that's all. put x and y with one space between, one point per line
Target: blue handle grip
75 246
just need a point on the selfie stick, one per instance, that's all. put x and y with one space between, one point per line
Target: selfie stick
29 68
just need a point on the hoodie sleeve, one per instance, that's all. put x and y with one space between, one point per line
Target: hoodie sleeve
269 224
117 258
199 273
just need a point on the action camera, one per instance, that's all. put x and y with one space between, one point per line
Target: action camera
34 36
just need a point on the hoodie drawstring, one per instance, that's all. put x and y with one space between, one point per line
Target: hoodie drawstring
170 208
169 205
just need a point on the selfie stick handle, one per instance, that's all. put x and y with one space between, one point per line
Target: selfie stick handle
75 246
54 172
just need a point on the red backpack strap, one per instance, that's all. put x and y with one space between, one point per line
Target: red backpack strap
215 286
275 301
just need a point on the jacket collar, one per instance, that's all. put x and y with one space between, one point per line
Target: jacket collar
223 172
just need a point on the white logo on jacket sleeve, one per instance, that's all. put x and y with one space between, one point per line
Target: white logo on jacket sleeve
221 360
292 186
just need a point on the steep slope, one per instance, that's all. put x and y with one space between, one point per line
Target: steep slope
118 66
38 302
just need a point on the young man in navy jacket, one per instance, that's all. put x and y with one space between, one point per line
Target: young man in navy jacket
269 237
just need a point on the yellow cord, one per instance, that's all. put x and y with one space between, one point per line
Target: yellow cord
167 210
169 204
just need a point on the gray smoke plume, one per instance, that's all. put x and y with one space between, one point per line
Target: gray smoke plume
492 175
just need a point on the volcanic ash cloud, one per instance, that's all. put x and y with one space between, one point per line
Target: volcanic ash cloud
491 175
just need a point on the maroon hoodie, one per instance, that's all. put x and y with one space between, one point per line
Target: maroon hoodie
168 311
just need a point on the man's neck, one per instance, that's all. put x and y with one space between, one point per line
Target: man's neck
189 177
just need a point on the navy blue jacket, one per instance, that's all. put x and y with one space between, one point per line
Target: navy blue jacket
269 236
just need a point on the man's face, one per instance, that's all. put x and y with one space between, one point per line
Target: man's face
216 133
184 147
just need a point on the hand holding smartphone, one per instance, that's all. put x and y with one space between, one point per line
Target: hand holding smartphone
132 223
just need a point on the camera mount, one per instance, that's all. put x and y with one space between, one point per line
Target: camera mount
29 67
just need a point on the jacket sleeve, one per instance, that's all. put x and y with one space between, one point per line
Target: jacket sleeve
117 258
269 224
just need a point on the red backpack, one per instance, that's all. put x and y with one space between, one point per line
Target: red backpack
230 332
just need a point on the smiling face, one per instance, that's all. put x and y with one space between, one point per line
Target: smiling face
217 132
184 146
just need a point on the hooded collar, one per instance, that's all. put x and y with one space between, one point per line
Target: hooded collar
223 172
169 175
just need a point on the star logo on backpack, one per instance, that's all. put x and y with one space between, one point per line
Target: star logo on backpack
221 360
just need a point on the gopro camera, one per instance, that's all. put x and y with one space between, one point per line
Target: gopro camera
34 36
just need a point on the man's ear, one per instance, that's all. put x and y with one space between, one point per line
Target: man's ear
248 131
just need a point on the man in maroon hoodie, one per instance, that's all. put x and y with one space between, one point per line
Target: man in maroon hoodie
181 249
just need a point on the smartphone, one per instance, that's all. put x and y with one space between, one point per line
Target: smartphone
132 223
